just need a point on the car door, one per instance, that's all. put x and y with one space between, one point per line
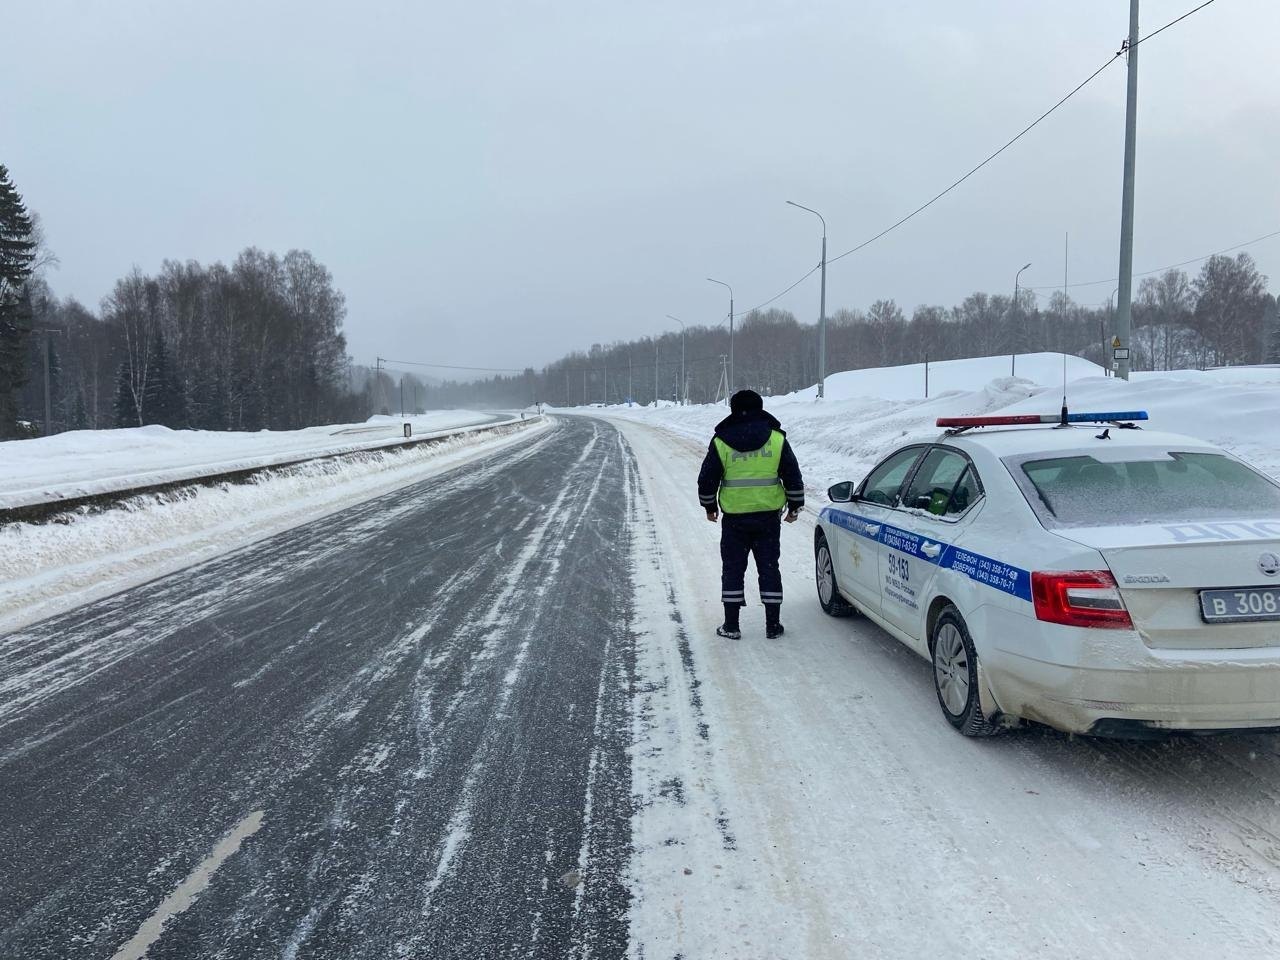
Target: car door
861 522
936 506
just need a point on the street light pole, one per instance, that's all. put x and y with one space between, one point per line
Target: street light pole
729 383
822 306
656 341
1124 313
1016 290
683 392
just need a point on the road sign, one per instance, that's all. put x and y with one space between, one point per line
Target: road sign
1115 342
1121 354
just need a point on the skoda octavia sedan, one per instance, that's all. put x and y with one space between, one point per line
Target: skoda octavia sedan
1073 570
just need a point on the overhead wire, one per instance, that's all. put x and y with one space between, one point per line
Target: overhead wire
1022 133
1172 266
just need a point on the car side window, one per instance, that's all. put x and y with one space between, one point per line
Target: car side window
966 493
944 485
885 481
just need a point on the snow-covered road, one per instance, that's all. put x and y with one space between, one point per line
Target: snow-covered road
488 717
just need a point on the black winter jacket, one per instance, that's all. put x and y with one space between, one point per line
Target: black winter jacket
746 432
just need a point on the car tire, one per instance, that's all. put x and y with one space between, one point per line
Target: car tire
955 676
833 604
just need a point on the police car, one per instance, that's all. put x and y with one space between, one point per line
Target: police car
1068 569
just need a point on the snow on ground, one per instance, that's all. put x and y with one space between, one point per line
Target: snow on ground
868 412
49 567
805 797
83 462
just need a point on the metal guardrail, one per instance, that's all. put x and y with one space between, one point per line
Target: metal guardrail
50 510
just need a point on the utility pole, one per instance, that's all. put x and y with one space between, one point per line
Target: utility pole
631 390
1124 313
684 382
822 306
377 379
655 372
729 388
724 377
402 396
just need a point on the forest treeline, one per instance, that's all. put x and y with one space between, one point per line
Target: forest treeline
258 344
1221 317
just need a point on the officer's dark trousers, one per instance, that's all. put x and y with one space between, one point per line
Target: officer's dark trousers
757 534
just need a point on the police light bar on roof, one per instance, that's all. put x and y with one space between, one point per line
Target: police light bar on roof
1042 418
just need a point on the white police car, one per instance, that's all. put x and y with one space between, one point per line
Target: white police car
1091 577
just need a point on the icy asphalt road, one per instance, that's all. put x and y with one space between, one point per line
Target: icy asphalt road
420 703
393 732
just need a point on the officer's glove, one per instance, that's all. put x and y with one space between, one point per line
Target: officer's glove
713 514
792 515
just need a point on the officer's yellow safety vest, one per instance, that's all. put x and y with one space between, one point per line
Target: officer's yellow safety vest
750 483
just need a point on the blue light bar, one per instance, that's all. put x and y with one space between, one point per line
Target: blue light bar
1107 417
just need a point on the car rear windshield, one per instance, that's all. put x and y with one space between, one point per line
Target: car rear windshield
1084 491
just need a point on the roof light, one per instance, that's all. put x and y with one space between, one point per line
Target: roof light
1042 418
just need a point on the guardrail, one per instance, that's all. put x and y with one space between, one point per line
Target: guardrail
45 511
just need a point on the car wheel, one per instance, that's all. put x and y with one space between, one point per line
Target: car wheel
833 604
955 676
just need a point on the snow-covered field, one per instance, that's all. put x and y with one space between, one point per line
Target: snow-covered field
867 412
83 462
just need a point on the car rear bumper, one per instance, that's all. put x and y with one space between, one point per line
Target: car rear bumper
1107 682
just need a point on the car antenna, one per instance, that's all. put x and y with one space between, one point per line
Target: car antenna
1063 422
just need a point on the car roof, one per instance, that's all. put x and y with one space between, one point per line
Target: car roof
1019 441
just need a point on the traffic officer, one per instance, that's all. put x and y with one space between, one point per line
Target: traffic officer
751 469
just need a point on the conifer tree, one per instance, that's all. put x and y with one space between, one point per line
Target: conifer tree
166 401
17 252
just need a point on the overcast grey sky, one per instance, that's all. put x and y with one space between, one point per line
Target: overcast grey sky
497 183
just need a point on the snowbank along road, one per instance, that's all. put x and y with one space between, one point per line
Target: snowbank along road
487 717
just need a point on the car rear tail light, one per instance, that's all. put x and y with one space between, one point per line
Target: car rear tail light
1079 598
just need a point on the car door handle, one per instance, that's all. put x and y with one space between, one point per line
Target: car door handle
931 550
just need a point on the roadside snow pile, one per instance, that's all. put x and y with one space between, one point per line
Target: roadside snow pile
843 436
49 567
84 462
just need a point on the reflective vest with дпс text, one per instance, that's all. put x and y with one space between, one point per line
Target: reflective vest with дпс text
750 483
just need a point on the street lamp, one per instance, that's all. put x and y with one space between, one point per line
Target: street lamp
684 386
1013 366
729 385
822 306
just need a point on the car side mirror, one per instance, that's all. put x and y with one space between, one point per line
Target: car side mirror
841 492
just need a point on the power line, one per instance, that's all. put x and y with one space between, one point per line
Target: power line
743 313
1025 130
1172 266
448 366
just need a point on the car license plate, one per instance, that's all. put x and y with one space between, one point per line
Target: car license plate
1247 604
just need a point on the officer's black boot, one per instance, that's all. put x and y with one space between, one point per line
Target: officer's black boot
772 623
730 629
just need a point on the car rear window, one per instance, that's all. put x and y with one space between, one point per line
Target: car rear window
1084 491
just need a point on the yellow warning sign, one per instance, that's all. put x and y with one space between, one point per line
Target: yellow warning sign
1115 342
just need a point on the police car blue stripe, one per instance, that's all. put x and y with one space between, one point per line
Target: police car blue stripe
981 569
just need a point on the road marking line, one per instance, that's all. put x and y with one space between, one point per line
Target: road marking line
189 889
